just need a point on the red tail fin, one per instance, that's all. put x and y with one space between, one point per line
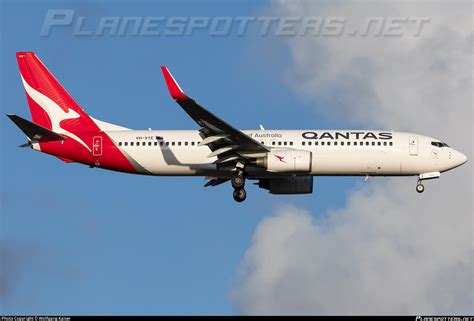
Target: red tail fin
51 106
64 130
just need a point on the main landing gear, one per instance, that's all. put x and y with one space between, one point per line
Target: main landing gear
238 183
240 195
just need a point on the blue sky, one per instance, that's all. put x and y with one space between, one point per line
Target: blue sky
85 241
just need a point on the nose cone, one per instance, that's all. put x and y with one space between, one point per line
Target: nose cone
459 158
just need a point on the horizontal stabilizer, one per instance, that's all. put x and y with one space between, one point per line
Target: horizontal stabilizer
34 132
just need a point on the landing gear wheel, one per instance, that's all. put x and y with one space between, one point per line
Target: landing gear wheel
420 188
240 195
238 181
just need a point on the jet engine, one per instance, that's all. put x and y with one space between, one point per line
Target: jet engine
286 161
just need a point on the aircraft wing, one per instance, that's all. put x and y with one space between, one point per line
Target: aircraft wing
225 141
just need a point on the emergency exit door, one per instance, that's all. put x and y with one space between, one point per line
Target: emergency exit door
413 147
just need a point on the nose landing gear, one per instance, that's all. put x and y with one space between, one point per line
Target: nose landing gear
420 188
423 177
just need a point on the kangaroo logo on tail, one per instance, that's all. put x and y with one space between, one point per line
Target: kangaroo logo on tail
56 114
50 104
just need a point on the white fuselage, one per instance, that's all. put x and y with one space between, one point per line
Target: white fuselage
176 152
283 161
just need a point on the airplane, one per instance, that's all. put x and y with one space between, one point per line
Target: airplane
280 161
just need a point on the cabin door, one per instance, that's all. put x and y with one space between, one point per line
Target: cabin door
413 146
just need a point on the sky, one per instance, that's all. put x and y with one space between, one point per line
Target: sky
75 240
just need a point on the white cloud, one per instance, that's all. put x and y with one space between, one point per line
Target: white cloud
386 81
389 250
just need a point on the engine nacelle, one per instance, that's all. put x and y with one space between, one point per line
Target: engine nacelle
288 185
286 161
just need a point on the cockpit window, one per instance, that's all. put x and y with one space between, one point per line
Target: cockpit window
439 144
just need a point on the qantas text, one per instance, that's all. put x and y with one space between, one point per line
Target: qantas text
347 135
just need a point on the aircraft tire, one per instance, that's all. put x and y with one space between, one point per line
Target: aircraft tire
238 181
420 188
240 195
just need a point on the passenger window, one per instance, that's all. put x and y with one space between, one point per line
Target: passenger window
329 143
303 143
309 143
167 143
335 143
316 143
161 143
279 143
391 143
379 143
172 143
126 143
322 143
284 143
367 143
342 143
120 143
291 143
373 143
149 143
385 143
185 143
179 143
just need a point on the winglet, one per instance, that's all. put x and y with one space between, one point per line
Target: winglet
175 91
